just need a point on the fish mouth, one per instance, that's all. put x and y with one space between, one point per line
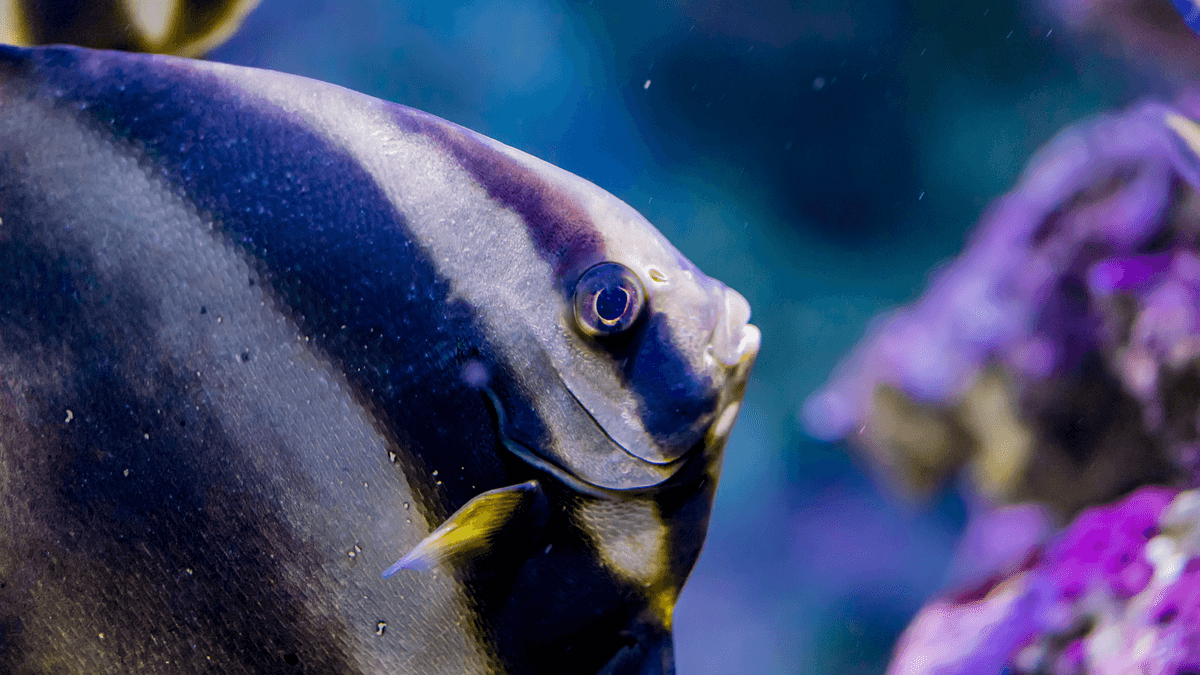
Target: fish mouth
734 339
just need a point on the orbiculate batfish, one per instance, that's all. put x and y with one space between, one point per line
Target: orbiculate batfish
296 380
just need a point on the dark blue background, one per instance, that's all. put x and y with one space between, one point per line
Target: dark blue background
820 157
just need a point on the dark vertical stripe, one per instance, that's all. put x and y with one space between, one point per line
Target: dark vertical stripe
133 506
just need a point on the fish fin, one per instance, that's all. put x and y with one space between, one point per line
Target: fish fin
472 530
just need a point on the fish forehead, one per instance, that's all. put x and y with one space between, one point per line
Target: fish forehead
316 462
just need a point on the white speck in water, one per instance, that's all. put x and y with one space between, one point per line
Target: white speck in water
646 85
70 416
1009 35
1049 32
126 472
818 83
920 196
146 436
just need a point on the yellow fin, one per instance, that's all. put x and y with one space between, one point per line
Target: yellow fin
471 530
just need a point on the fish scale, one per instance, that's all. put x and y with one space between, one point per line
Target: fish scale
280 313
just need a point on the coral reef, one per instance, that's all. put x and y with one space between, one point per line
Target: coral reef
1058 358
1117 592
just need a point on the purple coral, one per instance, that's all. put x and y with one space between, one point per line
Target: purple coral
1117 592
1056 354
1058 359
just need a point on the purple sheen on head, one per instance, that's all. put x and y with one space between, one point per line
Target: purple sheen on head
1127 273
559 225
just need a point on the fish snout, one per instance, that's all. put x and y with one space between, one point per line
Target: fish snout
734 339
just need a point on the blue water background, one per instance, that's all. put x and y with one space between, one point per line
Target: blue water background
820 157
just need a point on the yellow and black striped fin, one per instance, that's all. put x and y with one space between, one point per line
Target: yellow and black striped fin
181 27
475 529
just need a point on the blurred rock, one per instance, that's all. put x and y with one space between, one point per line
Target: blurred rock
1058 358
1156 36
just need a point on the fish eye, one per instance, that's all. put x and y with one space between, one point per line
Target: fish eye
608 299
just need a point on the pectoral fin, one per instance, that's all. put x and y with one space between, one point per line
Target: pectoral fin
478 528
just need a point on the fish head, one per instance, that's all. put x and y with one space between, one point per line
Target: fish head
631 360
615 369
657 352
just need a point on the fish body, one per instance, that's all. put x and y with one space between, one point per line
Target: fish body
261 337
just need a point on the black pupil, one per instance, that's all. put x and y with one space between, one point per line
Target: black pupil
610 303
